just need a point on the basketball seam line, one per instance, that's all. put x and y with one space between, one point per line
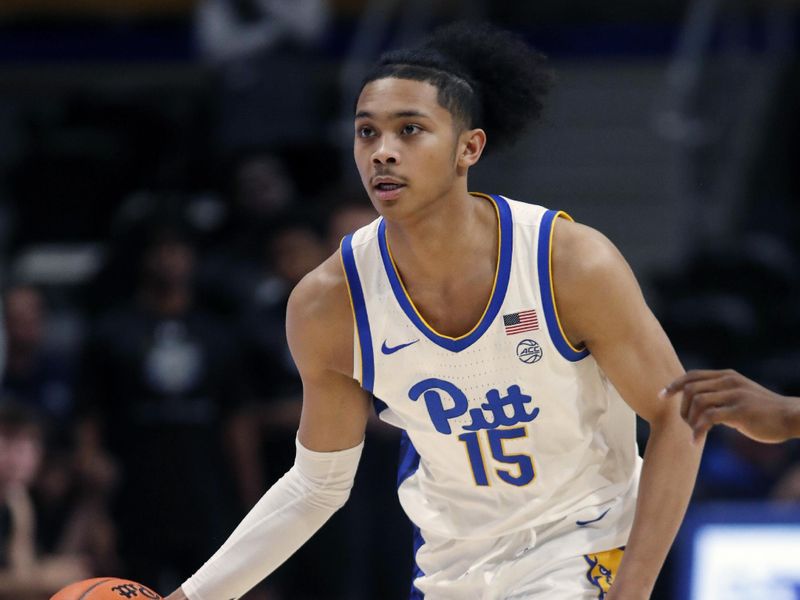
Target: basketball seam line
86 593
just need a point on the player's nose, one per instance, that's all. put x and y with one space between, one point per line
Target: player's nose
385 153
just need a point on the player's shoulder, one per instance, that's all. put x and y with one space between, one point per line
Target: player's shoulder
319 320
582 255
322 289
589 278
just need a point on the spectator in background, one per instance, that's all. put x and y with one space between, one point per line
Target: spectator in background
159 386
34 376
251 45
260 188
71 494
293 248
2 342
229 30
346 218
25 573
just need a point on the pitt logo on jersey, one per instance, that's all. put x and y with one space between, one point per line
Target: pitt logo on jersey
491 415
496 417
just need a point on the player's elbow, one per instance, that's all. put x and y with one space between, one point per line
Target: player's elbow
329 499
329 494
326 478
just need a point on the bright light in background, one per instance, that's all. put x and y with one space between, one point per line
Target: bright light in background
743 562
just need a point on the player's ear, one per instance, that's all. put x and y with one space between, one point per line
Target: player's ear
471 143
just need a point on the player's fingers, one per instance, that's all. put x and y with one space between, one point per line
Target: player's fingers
701 386
713 415
678 384
706 402
692 376
701 403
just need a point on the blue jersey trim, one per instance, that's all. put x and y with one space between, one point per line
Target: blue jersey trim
416 593
409 463
360 313
496 301
409 459
545 286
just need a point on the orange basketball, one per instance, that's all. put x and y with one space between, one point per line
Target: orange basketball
106 588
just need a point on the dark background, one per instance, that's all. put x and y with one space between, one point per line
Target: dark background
169 169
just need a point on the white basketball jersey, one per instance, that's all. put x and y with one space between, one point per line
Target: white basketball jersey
507 427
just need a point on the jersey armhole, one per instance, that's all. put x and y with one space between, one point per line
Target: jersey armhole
544 264
363 358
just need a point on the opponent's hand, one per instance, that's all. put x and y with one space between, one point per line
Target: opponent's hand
728 398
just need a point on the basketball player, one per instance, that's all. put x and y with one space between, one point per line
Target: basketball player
510 344
725 397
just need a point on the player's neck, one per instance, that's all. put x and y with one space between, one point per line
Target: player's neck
446 235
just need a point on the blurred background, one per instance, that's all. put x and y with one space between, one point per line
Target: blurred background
170 169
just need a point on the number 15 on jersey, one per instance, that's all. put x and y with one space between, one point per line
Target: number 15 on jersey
522 472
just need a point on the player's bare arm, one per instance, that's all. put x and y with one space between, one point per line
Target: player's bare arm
725 397
319 326
601 306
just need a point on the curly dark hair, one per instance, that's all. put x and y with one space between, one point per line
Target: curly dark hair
487 77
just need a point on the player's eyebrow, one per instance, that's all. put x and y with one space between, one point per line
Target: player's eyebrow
365 114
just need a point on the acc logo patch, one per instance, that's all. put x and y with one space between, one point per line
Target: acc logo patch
529 351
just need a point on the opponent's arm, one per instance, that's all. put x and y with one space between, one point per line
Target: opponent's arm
334 416
602 307
728 398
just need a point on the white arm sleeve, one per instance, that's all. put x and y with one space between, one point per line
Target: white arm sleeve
289 513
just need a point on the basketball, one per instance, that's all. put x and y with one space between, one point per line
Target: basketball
105 588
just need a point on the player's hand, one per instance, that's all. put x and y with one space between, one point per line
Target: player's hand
728 398
176 595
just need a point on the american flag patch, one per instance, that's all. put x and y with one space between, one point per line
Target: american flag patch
521 321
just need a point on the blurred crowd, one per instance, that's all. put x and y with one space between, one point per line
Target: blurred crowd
179 406
147 394
140 440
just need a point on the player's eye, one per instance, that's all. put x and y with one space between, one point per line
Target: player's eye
365 131
410 129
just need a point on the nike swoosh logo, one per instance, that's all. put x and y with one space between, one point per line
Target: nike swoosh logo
392 349
584 523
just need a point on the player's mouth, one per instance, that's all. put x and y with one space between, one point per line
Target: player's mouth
387 188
